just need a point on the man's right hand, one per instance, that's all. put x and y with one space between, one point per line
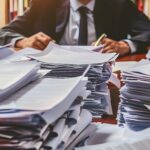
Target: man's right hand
38 41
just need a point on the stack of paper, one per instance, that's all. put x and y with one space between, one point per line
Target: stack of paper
49 113
45 114
98 102
71 62
134 107
15 75
57 55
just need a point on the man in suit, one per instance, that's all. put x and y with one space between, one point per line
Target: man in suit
60 20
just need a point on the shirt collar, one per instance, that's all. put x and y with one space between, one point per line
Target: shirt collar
76 4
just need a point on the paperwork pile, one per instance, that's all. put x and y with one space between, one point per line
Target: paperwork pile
55 54
71 62
46 114
98 101
134 108
15 75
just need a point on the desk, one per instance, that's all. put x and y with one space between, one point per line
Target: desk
135 57
115 92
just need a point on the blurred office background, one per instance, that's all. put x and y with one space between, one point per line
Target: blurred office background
9 9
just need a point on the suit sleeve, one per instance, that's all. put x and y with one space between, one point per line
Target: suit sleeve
19 27
139 27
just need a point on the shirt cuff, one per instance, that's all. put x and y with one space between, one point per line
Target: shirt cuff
13 41
132 46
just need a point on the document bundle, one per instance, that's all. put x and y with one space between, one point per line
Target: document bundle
44 114
49 112
71 62
134 110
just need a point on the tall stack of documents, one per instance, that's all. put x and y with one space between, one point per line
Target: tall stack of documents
45 114
49 112
134 108
98 102
66 63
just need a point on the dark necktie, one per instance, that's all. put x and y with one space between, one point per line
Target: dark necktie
83 31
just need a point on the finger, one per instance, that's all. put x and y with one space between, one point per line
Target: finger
41 41
105 49
46 37
110 51
109 43
93 44
38 45
106 41
35 46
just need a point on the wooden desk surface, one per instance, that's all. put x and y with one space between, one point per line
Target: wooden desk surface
135 57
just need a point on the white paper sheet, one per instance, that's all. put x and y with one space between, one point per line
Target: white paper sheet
42 94
123 65
12 73
84 48
5 52
55 54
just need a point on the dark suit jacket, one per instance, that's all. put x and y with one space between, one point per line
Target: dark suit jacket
116 18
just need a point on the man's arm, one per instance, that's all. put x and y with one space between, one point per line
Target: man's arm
20 27
135 23
38 41
111 46
139 26
20 33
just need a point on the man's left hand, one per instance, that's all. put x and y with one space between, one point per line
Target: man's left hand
111 46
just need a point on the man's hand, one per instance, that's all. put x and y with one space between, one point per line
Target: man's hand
111 46
38 41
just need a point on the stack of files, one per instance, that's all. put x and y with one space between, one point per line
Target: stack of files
98 102
15 75
68 62
67 132
45 114
134 110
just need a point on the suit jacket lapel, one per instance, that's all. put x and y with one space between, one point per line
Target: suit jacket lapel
62 17
100 17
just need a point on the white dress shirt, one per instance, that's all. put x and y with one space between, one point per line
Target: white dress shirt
71 33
